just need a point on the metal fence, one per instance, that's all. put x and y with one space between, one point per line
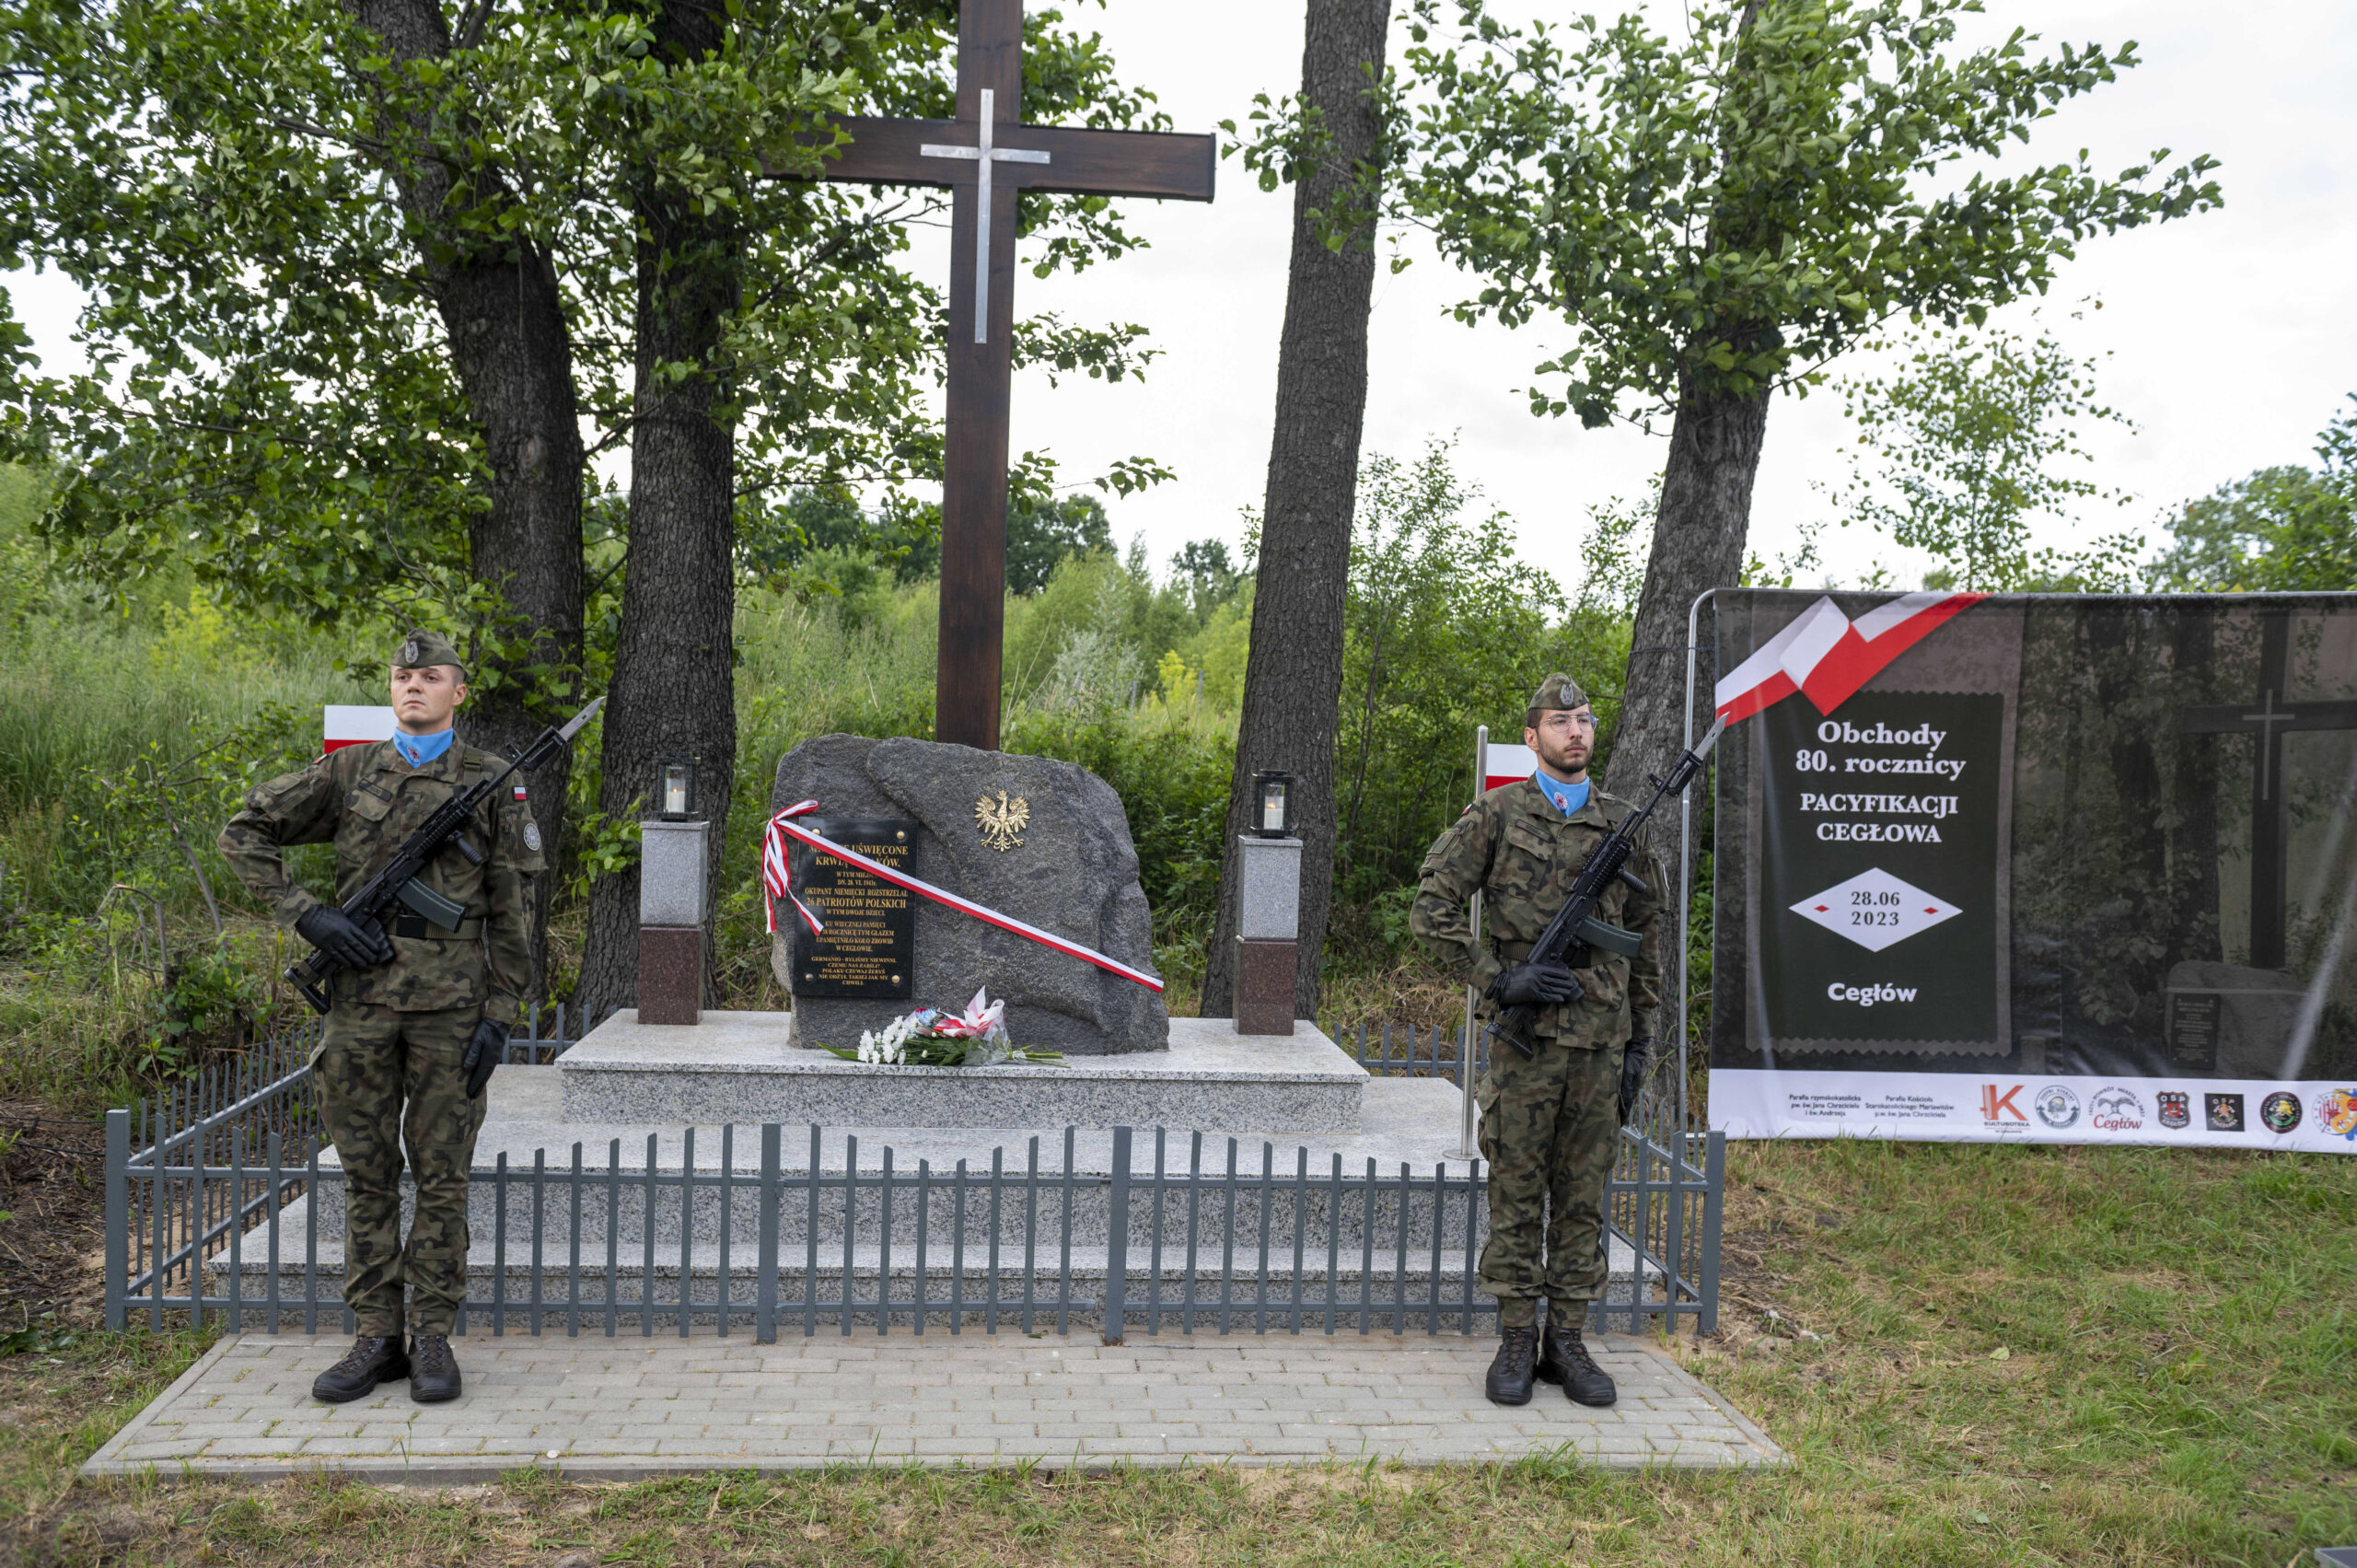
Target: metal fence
217 1202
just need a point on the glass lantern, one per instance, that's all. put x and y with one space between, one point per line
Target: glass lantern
676 790
1273 804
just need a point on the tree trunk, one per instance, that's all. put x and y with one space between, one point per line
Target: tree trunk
1699 537
504 319
1293 677
674 689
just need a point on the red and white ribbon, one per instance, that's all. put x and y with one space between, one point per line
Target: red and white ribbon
777 882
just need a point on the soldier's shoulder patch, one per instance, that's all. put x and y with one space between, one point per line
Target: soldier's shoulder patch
532 837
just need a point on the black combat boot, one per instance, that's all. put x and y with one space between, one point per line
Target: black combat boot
373 1359
1565 1360
1513 1368
434 1371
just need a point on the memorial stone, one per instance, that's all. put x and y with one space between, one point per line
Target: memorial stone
1043 842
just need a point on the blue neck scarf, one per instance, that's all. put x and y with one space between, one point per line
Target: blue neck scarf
418 749
1568 797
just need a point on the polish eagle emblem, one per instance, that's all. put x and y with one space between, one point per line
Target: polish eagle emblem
1003 820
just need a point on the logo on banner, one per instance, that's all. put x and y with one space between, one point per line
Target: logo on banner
2057 1107
1994 1105
2176 1108
1827 656
2337 1113
2223 1113
2280 1112
1874 909
2115 1110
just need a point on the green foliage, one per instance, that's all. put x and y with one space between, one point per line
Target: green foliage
1957 455
1445 628
1721 209
1041 535
2282 529
107 729
273 399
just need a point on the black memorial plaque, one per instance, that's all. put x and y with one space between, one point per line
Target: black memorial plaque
2193 1029
870 946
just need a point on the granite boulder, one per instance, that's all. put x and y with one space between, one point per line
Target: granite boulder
1075 872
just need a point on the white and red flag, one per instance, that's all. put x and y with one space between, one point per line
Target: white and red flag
1505 764
1825 656
349 726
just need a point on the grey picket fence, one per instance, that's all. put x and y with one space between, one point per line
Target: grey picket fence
215 1197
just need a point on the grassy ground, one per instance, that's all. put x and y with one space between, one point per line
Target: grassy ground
1975 1356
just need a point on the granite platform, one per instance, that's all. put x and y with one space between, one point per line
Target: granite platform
1406 1136
1406 1133
742 1068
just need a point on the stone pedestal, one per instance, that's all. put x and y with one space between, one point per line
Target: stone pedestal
741 1067
1268 927
672 906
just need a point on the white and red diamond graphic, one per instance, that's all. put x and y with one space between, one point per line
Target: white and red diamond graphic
1874 909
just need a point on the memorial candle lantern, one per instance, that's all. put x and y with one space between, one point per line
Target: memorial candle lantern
1273 804
676 795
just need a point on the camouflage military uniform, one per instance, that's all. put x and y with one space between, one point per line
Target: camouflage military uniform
389 1065
1549 1126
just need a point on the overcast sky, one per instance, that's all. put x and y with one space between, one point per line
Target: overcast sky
2228 333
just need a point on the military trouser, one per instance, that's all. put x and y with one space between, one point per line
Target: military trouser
389 1081
1551 1126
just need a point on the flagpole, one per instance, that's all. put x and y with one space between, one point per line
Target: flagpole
1469 1052
1685 853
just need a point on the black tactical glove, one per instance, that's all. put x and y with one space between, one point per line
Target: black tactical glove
484 1052
1636 1062
344 939
1519 985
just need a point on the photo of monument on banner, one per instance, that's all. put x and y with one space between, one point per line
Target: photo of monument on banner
2050 867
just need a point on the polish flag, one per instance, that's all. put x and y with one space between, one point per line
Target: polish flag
1507 764
1826 656
349 726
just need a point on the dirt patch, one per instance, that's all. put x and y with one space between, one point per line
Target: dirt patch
53 1186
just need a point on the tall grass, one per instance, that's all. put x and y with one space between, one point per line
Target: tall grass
87 705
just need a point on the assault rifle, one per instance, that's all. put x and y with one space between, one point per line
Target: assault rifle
1576 922
314 975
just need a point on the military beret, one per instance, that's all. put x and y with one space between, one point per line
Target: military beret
420 649
1558 691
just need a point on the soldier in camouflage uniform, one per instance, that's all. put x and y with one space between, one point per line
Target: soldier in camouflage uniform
1551 1123
393 1065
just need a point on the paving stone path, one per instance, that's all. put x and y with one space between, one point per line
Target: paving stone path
606 1408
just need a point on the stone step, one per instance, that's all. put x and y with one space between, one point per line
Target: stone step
742 1068
1408 1122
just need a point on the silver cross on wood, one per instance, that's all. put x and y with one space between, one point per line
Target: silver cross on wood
986 154
1059 159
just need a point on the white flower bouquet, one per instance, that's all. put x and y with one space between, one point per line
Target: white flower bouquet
931 1037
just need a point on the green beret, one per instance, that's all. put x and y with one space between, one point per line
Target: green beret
1558 691
420 649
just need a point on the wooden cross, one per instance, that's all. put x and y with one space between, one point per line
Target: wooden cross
985 156
2271 801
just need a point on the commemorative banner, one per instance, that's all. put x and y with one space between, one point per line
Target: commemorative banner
2059 868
